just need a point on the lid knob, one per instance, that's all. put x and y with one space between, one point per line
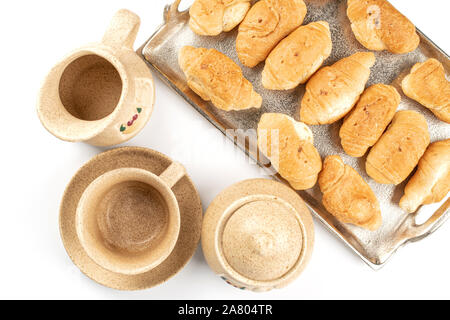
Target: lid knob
262 243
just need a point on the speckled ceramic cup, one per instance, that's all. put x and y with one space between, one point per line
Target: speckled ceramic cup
128 220
258 235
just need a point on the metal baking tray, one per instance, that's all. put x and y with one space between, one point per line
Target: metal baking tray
399 228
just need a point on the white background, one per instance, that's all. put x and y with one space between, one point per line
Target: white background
36 167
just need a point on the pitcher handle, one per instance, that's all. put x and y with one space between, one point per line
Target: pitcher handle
123 30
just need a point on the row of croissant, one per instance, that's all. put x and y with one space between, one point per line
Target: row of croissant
394 156
376 24
331 94
271 31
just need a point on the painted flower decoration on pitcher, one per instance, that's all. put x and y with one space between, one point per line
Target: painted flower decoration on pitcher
132 125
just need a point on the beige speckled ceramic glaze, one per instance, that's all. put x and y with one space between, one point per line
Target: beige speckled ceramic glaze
128 220
118 218
102 94
258 235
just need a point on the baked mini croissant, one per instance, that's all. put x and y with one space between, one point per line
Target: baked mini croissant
431 182
398 151
347 196
377 25
427 85
212 17
333 91
290 146
266 24
367 122
296 58
214 76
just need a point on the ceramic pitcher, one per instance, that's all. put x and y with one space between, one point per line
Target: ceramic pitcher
101 94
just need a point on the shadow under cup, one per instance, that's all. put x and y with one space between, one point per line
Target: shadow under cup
128 221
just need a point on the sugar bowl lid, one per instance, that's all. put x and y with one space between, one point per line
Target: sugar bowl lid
258 235
263 240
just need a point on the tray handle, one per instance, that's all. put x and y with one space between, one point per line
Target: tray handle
171 11
432 224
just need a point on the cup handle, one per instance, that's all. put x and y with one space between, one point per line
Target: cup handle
173 174
123 30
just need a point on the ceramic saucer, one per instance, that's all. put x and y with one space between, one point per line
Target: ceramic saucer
188 201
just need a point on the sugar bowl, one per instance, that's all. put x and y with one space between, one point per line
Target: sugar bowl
258 235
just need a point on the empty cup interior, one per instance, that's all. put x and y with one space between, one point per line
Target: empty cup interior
90 88
128 222
82 95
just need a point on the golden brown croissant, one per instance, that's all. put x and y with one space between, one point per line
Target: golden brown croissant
367 122
398 151
290 146
333 91
431 182
212 17
427 85
266 24
377 25
347 196
214 76
297 57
